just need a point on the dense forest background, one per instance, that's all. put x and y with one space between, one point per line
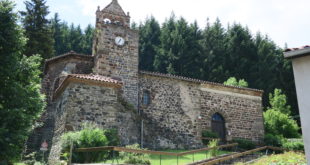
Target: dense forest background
213 53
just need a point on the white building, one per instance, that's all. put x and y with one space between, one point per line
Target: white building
301 65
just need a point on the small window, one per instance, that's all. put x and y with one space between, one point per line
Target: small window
146 98
107 21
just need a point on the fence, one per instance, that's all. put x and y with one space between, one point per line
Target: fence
160 153
234 156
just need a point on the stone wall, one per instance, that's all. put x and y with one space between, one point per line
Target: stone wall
120 62
73 65
170 119
181 109
243 114
82 103
52 71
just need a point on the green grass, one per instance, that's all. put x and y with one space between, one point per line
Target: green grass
288 158
172 160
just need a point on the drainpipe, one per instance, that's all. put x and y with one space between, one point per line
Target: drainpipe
141 133
140 113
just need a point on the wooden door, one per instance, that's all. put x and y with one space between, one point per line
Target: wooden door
218 125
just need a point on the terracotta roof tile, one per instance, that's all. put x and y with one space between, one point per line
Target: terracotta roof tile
95 78
196 80
293 49
89 79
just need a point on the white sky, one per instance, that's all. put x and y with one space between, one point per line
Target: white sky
285 21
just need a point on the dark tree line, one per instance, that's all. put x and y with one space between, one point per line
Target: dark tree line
71 37
216 53
213 53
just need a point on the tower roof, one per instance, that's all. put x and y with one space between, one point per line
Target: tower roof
114 8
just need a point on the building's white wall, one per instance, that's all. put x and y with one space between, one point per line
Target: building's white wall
301 67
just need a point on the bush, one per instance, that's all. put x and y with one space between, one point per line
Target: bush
208 134
273 140
278 123
244 144
215 151
89 136
135 158
294 145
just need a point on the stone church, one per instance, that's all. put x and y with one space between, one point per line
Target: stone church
153 109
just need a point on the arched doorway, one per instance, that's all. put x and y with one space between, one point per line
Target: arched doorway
218 125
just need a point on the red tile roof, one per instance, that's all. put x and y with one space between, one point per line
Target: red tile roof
91 79
293 49
95 78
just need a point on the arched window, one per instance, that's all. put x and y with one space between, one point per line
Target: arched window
106 21
146 98
217 117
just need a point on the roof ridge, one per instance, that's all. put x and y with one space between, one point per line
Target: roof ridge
114 8
293 49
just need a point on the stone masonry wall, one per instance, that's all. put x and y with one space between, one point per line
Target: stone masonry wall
170 119
243 114
120 62
180 110
54 70
82 103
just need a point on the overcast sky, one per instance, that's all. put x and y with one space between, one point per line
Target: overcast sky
285 21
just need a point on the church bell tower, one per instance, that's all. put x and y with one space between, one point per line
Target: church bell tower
115 48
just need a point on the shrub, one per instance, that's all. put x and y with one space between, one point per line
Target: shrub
112 136
215 151
208 134
135 158
278 123
273 140
89 136
244 144
293 145
283 159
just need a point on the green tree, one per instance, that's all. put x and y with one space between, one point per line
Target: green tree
57 34
278 102
21 101
165 50
280 124
214 56
179 48
38 30
87 41
277 118
149 33
234 82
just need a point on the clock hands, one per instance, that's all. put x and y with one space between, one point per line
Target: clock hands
119 41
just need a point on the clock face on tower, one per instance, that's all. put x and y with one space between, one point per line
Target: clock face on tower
120 41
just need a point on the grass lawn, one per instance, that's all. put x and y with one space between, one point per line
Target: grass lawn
172 160
288 158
